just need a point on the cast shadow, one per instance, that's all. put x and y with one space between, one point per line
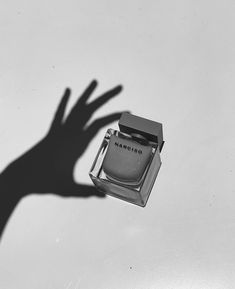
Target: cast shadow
48 166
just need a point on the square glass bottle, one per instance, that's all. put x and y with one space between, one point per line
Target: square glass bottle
128 160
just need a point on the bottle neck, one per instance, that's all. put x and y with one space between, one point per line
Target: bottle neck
139 138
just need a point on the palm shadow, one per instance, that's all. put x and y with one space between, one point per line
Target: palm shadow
48 166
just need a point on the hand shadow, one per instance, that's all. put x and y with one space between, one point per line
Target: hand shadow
48 166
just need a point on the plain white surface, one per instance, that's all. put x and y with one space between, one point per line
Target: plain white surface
176 62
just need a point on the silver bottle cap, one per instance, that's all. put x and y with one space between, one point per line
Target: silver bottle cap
152 130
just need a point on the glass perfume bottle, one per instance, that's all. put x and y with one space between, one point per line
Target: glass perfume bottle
128 160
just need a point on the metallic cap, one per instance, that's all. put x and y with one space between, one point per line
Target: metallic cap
151 130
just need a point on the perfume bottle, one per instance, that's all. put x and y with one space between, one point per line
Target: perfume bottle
128 160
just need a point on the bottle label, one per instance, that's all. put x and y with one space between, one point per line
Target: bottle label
126 160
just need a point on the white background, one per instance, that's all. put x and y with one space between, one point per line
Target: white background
176 61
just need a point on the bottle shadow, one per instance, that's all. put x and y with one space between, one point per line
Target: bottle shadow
48 166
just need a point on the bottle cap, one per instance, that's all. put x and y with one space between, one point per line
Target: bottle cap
152 130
